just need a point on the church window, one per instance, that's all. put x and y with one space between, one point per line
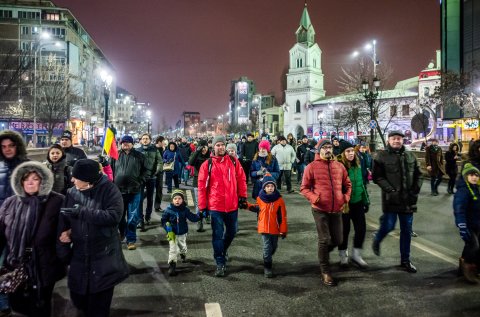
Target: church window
301 62
297 107
406 110
393 111
314 63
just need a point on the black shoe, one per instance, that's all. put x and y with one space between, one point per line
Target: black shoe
376 247
141 226
267 269
171 268
159 209
409 267
220 271
183 257
147 222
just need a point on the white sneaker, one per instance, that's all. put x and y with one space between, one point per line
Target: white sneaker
343 257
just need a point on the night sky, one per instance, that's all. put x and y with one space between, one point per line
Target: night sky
180 55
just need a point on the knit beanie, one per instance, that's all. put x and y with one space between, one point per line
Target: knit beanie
232 146
268 179
87 170
66 134
264 145
467 170
219 138
178 192
322 142
344 145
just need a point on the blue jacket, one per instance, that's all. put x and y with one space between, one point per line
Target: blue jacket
273 168
465 208
169 156
177 216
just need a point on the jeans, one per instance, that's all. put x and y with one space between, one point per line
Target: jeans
357 215
224 227
131 211
388 224
169 176
329 230
300 169
158 190
434 182
147 192
270 243
288 179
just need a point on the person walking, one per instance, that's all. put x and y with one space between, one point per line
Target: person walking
89 241
285 155
435 165
302 150
159 179
357 207
248 151
397 173
185 150
62 173
451 168
222 189
73 153
152 165
172 166
28 225
129 176
327 187
263 162
196 160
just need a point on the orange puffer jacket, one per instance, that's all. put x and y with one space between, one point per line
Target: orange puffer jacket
326 185
272 217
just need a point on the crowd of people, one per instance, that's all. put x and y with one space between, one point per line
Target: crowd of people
74 212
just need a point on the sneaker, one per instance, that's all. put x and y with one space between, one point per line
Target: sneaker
220 271
171 268
376 247
409 267
131 246
183 257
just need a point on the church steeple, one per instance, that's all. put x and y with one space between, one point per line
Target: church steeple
305 32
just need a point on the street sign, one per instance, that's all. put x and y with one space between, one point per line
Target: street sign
372 124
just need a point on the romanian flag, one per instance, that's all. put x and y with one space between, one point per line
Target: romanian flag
110 144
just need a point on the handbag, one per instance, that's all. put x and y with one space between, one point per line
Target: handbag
12 280
168 167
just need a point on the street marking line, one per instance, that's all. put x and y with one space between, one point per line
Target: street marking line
213 310
190 198
431 251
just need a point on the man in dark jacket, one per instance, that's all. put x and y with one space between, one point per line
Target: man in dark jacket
73 153
159 180
435 165
129 176
301 153
397 173
152 159
185 150
250 148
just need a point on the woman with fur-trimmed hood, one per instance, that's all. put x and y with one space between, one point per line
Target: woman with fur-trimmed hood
29 219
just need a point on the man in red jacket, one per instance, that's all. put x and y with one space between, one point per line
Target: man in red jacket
222 190
327 187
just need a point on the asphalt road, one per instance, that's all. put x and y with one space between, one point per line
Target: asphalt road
382 290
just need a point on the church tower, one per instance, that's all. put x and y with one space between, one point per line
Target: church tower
304 79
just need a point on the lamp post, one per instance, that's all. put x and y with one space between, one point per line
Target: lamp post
371 96
373 47
320 122
107 80
82 114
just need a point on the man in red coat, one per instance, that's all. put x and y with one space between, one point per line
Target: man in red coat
222 190
327 187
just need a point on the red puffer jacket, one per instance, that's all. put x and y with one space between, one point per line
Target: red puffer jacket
326 185
227 183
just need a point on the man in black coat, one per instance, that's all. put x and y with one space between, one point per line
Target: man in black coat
397 173
301 153
73 153
159 180
185 151
250 148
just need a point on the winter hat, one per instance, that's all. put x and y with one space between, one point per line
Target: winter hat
396 132
232 146
268 179
264 145
344 145
322 142
202 143
304 137
281 138
178 192
66 135
87 170
469 169
127 139
219 138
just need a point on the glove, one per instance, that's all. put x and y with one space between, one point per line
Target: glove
464 232
283 235
71 212
242 203
252 207
171 236
204 213
168 227
260 173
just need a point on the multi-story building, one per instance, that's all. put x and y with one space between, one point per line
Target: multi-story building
46 34
241 101
123 116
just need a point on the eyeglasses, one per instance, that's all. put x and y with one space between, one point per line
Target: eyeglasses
327 147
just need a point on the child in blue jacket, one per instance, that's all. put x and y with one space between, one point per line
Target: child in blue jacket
174 220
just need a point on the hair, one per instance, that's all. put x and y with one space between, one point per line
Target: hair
159 139
58 147
146 134
450 148
473 152
357 148
268 160
27 174
348 164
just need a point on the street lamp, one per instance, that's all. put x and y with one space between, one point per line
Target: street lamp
371 96
320 121
371 46
82 114
107 80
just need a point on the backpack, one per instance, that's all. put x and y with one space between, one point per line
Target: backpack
210 168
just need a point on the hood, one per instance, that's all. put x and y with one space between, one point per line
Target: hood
40 169
175 149
18 140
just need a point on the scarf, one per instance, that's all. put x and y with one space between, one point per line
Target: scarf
269 198
23 227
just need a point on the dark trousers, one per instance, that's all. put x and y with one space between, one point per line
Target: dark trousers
247 165
147 192
451 181
300 169
270 243
224 228
329 230
288 179
169 176
33 303
357 215
471 250
434 182
94 305
158 190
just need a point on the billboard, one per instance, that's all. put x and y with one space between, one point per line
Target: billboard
242 99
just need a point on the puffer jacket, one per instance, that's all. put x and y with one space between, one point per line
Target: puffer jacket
226 184
398 175
47 266
152 160
62 175
177 216
272 217
129 171
285 156
465 208
169 156
74 154
326 185
95 256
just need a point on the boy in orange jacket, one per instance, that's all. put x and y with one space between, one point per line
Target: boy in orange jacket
272 220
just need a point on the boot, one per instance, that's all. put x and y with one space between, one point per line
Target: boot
470 272
343 257
171 268
200 226
357 258
267 269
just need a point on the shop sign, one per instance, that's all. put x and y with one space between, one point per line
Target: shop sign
470 124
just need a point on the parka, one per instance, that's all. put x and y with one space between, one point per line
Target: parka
177 216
